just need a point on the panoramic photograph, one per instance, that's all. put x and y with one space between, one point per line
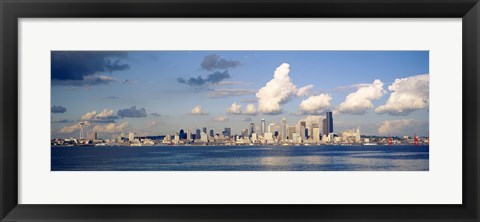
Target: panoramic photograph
252 110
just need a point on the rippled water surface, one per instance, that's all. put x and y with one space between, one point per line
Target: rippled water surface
241 158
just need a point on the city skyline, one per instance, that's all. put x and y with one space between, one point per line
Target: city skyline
161 92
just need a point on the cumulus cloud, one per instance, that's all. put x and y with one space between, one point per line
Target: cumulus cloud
106 116
81 68
403 127
132 112
234 109
305 91
408 94
222 93
197 110
360 101
156 114
220 119
110 127
278 91
213 61
58 109
250 110
316 105
247 119
201 82
73 128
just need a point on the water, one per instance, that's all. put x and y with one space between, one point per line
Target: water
241 158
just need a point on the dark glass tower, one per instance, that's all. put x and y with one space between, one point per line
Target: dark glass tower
329 118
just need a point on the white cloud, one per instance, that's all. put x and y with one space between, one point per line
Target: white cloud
220 119
403 127
89 116
74 127
315 105
305 91
197 110
110 127
360 101
234 109
408 94
250 110
278 91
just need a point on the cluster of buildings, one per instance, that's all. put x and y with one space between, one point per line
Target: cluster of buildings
315 133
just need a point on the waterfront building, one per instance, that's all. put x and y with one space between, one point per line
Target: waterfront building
189 135
254 137
271 127
316 134
204 137
283 131
228 132
245 133
291 131
262 127
329 118
251 129
351 135
302 130
268 137
324 127
197 134
131 137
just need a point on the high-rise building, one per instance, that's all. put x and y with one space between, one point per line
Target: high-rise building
189 135
262 127
283 132
131 136
198 134
324 127
329 118
205 130
316 134
227 131
251 130
245 133
95 137
212 133
291 131
303 125
81 129
271 128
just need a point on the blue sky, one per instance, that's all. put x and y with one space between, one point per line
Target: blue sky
155 92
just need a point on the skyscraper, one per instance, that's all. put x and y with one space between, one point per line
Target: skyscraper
212 133
291 131
198 134
324 127
189 134
262 127
205 130
284 129
303 125
227 131
251 129
329 118
131 136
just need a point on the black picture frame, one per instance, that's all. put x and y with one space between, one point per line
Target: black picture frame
11 11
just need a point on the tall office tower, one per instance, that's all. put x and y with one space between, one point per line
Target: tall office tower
329 118
251 129
245 133
212 133
131 136
95 137
262 127
291 131
189 135
316 134
284 129
198 134
324 127
271 128
228 131
302 130
205 130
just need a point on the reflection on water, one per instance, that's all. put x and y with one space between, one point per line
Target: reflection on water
241 158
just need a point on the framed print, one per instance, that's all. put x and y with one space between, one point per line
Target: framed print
224 110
